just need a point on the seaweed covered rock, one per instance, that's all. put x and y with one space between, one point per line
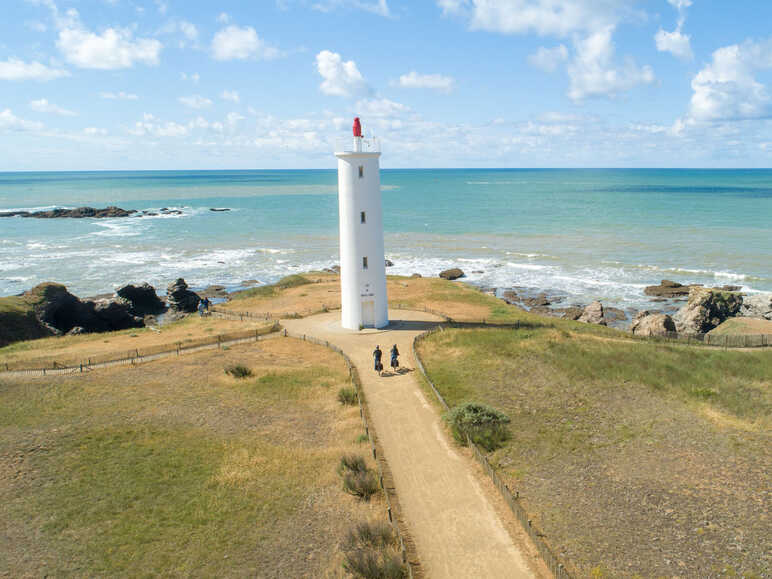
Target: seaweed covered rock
706 309
451 274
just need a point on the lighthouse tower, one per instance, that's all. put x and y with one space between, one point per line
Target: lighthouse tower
362 265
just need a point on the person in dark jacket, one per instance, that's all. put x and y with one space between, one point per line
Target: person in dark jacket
394 357
377 355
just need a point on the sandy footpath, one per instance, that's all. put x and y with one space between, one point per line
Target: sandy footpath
455 526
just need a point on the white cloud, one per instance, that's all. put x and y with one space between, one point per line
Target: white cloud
194 78
341 78
36 25
189 30
15 69
590 24
223 18
432 81
676 42
548 59
114 48
592 73
162 6
94 131
381 108
230 95
234 43
10 122
43 106
121 96
379 7
726 88
195 101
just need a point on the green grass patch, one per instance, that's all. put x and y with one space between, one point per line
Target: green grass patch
267 291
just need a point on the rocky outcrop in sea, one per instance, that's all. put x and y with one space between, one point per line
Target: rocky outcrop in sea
78 213
179 298
648 323
706 309
451 274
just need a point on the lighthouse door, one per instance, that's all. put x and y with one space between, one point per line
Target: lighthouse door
368 314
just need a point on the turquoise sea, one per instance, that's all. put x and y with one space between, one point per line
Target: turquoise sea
585 234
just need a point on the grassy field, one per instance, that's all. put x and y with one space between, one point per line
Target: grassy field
175 468
743 326
634 457
72 350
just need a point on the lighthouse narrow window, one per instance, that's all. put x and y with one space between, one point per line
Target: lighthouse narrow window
364 263
361 171
363 217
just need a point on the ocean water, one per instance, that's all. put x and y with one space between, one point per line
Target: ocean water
584 234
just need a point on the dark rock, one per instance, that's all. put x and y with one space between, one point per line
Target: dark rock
538 301
78 213
731 288
658 300
478 271
667 289
613 314
113 314
451 274
706 309
593 314
510 296
77 330
389 263
142 299
571 312
647 323
249 282
416 275
542 311
219 209
180 298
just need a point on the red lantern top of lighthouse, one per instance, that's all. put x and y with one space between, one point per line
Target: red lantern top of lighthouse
357 127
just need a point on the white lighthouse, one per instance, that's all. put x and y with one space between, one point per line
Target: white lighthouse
362 262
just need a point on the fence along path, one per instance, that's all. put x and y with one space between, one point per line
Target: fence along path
456 530
140 355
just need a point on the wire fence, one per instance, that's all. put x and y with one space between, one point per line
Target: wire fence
385 479
556 566
139 355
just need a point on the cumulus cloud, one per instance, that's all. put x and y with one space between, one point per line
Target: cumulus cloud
433 81
235 43
10 122
15 69
112 49
120 96
381 107
548 59
726 89
230 95
590 24
195 101
341 78
43 106
592 72
677 43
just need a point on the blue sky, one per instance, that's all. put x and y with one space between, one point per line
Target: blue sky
172 84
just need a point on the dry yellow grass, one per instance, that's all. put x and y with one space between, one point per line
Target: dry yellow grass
743 326
72 350
175 468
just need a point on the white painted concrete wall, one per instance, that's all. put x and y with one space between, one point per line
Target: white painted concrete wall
359 240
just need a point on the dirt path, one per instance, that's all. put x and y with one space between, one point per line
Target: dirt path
455 526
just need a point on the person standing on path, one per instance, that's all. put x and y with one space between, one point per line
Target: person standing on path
394 357
377 355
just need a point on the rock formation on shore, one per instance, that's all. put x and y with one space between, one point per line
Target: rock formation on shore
647 323
706 309
451 274
668 289
180 299
593 314
142 299
78 213
757 306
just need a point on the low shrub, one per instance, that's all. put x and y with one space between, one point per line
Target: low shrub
347 396
486 426
238 371
360 484
370 551
352 463
362 438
